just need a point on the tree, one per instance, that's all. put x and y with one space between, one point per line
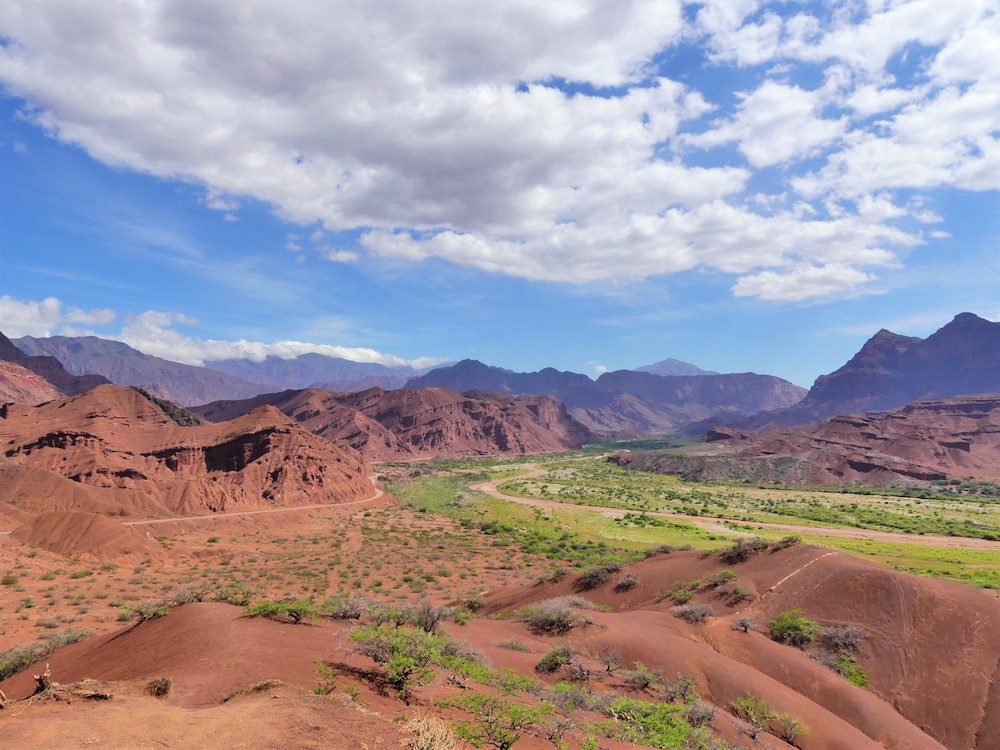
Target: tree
792 628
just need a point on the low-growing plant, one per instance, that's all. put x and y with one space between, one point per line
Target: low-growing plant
326 676
159 687
785 542
755 710
294 612
641 677
429 733
598 575
719 577
555 659
793 628
742 550
744 624
513 646
693 612
497 722
343 606
627 583
790 728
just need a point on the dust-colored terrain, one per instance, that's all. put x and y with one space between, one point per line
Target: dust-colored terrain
385 425
956 438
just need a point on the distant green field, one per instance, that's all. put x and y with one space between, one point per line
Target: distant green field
581 536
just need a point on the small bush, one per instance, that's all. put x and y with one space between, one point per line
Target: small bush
840 637
700 714
498 722
430 733
744 624
785 542
754 709
294 612
513 646
627 583
597 575
555 659
159 687
47 622
790 728
693 612
553 616
343 606
642 677
719 577
742 550
663 549
9 579
792 628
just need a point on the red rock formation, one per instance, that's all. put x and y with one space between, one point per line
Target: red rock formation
954 438
137 460
18 385
431 421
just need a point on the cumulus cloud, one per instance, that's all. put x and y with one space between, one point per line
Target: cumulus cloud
802 282
47 317
153 332
449 131
775 123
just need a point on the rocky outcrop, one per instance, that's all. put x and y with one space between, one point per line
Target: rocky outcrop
18 385
956 438
429 422
136 460
49 369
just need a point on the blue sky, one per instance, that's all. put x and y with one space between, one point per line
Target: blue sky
744 185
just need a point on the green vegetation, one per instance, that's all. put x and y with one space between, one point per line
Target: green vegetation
793 628
294 612
18 658
497 722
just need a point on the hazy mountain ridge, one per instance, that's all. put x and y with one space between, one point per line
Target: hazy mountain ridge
671 366
626 400
121 364
890 371
49 368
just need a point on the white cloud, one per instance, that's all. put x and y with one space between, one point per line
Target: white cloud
435 130
47 317
153 332
597 367
774 124
802 282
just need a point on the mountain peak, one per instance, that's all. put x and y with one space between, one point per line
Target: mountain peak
672 366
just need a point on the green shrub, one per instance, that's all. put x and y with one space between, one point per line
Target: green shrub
597 575
294 612
555 659
627 583
497 722
792 628
742 550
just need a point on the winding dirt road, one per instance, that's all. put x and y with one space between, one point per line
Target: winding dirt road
716 524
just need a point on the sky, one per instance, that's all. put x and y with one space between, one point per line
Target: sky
584 184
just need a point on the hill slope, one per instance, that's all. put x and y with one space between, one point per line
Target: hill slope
955 438
134 459
401 424
49 369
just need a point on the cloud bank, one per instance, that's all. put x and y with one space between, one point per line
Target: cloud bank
546 141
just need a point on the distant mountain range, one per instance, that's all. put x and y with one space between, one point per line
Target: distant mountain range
626 401
50 369
962 357
189 385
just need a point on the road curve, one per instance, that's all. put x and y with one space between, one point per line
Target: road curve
716 524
